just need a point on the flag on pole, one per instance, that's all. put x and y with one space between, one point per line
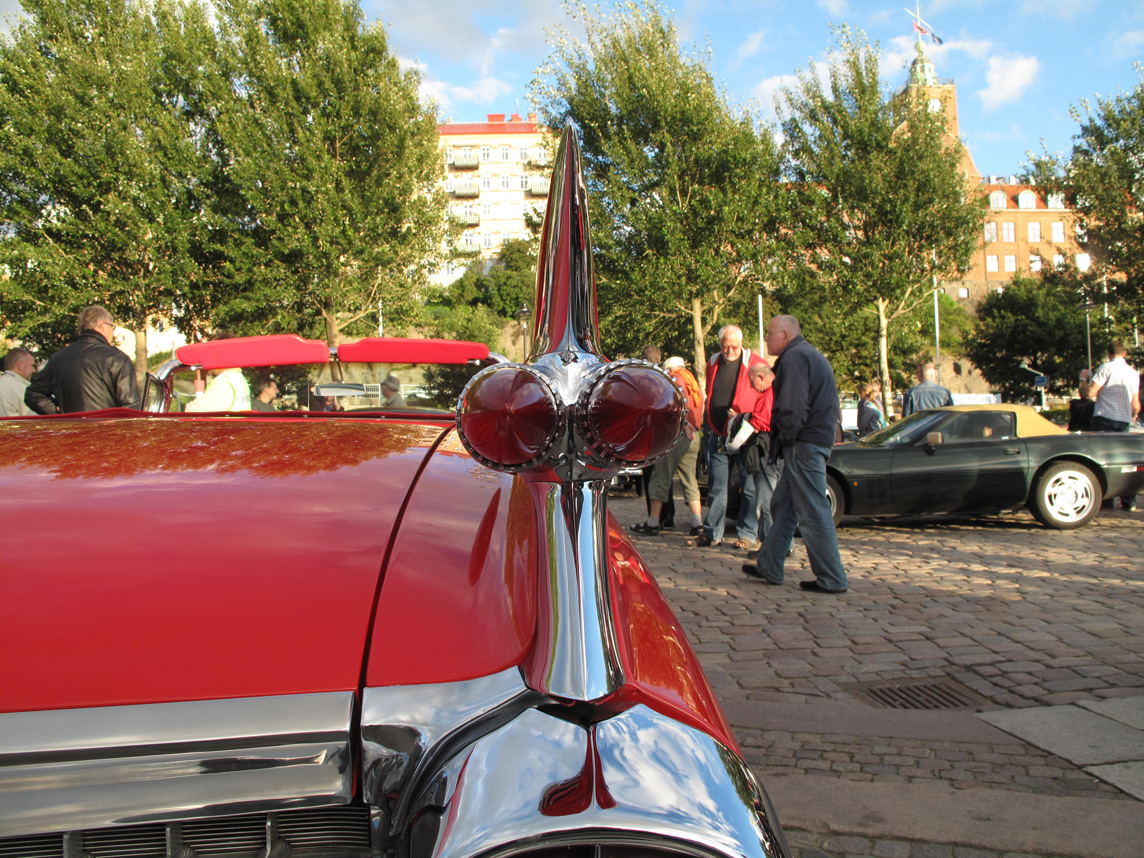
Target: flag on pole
922 31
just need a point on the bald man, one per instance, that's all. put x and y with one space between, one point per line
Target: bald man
804 420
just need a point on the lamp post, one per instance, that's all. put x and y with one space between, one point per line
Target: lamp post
1042 382
523 315
1083 263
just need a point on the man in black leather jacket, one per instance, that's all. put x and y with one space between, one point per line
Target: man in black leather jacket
87 375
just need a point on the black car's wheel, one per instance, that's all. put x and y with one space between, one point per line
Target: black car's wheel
1065 495
836 497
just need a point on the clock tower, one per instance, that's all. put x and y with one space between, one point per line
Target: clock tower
939 96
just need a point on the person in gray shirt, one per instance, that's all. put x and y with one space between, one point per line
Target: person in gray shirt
927 393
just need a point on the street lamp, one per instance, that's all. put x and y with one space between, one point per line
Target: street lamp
1041 381
1083 263
523 315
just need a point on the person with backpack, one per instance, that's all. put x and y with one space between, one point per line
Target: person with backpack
682 458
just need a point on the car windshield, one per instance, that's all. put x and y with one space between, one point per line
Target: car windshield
351 388
905 431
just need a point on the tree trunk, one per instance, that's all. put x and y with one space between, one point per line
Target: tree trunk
141 352
884 358
331 321
699 355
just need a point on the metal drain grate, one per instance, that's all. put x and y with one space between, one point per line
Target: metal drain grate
920 694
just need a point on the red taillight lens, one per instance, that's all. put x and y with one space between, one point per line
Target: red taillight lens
634 413
509 417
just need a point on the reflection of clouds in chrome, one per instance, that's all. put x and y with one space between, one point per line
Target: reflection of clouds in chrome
653 764
500 782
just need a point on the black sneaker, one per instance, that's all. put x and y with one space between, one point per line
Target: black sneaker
813 586
644 528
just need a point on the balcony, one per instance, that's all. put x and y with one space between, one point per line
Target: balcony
466 162
467 189
539 160
467 218
468 246
538 187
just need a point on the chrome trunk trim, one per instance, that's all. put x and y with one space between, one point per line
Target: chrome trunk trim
575 657
639 778
87 768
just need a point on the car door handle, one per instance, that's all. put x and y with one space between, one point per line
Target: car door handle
1011 451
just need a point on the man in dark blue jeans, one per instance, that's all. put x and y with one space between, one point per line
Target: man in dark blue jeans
804 419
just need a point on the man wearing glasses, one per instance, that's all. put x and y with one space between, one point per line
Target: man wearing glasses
88 375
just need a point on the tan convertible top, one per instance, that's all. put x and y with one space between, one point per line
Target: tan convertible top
1029 421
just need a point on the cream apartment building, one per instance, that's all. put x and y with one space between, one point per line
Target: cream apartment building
496 175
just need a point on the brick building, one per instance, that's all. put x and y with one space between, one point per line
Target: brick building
1023 230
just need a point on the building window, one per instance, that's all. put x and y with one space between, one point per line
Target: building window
998 200
1056 201
1058 260
1034 231
1010 262
486 183
1058 229
962 291
504 153
990 233
1009 231
524 183
449 155
486 209
990 263
486 240
524 154
1034 262
1026 200
505 181
448 186
486 153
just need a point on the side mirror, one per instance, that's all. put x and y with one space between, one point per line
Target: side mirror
933 439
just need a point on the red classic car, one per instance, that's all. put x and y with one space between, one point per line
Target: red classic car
371 632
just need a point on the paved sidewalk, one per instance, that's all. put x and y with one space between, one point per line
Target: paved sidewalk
1039 633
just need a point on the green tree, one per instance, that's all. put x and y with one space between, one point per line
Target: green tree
1104 181
683 192
507 285
880 206
101 201
1038 323
332 170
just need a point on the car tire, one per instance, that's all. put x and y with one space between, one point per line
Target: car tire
1065 495
837 498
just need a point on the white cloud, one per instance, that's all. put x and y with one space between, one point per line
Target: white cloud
1062 10
749 47
1007 79
834 7
1128 45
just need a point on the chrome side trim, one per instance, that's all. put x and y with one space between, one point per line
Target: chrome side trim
639 778
402 725
114 765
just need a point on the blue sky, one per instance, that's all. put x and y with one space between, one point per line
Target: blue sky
1018 64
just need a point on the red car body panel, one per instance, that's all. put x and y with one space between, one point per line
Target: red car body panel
289 531
193 559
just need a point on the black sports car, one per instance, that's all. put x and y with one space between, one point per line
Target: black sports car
984 459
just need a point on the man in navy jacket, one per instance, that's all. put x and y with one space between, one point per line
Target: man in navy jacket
804 420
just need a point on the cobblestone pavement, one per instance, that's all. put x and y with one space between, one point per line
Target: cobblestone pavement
1017 614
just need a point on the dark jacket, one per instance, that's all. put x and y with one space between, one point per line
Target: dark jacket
805 406
869 418
87 375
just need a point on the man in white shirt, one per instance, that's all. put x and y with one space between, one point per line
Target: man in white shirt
1116 387
18 367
